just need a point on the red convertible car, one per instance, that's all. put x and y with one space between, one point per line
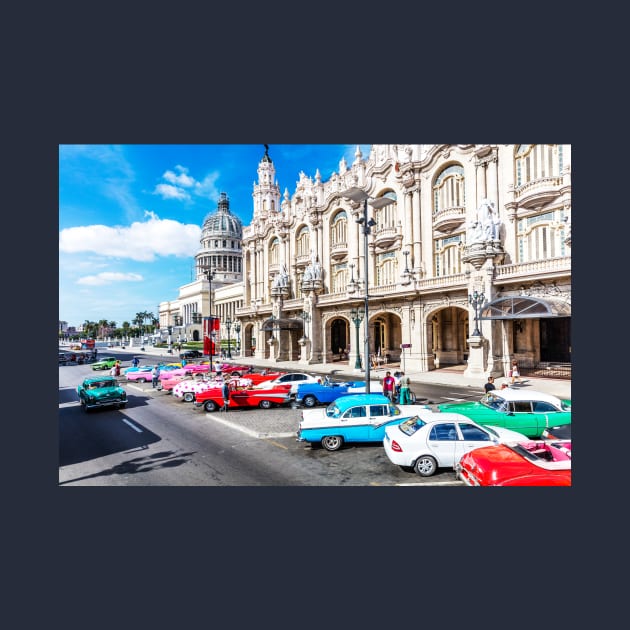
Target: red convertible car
212 399
531 463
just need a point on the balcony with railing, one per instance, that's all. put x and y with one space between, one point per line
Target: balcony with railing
385 236
338 251
449 219
537 192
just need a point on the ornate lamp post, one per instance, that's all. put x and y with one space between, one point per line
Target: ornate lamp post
356 194
476 300
237 330
357 317
228 325
210 273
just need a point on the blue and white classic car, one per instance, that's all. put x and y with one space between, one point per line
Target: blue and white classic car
312 394
351 418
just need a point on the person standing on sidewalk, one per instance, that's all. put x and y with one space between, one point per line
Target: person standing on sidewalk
225 390
489 386
514 373
388 385
405 392
155 375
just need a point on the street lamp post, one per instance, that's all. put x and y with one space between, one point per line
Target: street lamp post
476 300
237 330
228 325
210 273
357 317
356 194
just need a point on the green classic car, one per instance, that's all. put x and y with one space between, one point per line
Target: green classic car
105 363
527 412
101 392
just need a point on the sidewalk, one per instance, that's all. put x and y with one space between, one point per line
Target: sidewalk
341 369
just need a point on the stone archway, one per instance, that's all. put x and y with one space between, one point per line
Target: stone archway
447 334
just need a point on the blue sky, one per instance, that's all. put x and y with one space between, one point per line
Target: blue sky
130 216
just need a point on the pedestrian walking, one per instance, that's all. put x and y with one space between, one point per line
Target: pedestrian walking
135 362
388 385
225 390
514 372
489 386
117 368
405 391
155 376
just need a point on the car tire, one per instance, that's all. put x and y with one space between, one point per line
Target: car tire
235 374
425 465
210 405
309 401
332 442
122 405
188 397
265 404
141 380
84 406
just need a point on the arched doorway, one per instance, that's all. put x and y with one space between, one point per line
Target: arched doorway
339 341
448 332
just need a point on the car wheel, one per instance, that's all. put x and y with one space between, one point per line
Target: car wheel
265 404
332 442
210 405
122 405
142 380
309 401
236 374
189 397
84 406
425 465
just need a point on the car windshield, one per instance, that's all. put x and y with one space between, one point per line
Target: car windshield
493 401
409 427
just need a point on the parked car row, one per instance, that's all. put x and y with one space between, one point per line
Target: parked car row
417 438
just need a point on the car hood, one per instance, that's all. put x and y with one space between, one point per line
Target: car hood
459 406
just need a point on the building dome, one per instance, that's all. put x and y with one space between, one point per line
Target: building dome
222 223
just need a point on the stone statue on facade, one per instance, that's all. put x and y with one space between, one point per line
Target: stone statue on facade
489 219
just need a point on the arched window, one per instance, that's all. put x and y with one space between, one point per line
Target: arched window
386 269
339 278
447 257
387 216
541 237
448 189
274 252
533 162
303 242
339 229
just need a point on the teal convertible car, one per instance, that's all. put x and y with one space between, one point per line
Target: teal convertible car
525 411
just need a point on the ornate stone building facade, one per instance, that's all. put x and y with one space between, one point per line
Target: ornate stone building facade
468 259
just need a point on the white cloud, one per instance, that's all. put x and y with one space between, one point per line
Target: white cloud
142 241
166 191
109 277
183 179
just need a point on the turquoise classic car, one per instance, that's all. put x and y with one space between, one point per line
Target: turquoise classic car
101 392
351 418
528 412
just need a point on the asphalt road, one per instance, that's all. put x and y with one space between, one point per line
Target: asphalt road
158 440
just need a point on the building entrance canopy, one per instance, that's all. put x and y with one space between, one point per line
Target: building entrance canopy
522 307
274 323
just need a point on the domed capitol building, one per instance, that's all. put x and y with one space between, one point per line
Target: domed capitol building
466 250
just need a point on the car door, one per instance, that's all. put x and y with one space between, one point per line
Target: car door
522 419
354 426
442 442
378 416
472 437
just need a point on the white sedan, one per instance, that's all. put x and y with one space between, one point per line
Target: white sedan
432 440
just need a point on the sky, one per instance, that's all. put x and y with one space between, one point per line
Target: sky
130 216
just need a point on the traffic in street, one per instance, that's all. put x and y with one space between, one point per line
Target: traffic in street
159 440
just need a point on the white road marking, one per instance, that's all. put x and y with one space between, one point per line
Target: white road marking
132 425
75 403
247 431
